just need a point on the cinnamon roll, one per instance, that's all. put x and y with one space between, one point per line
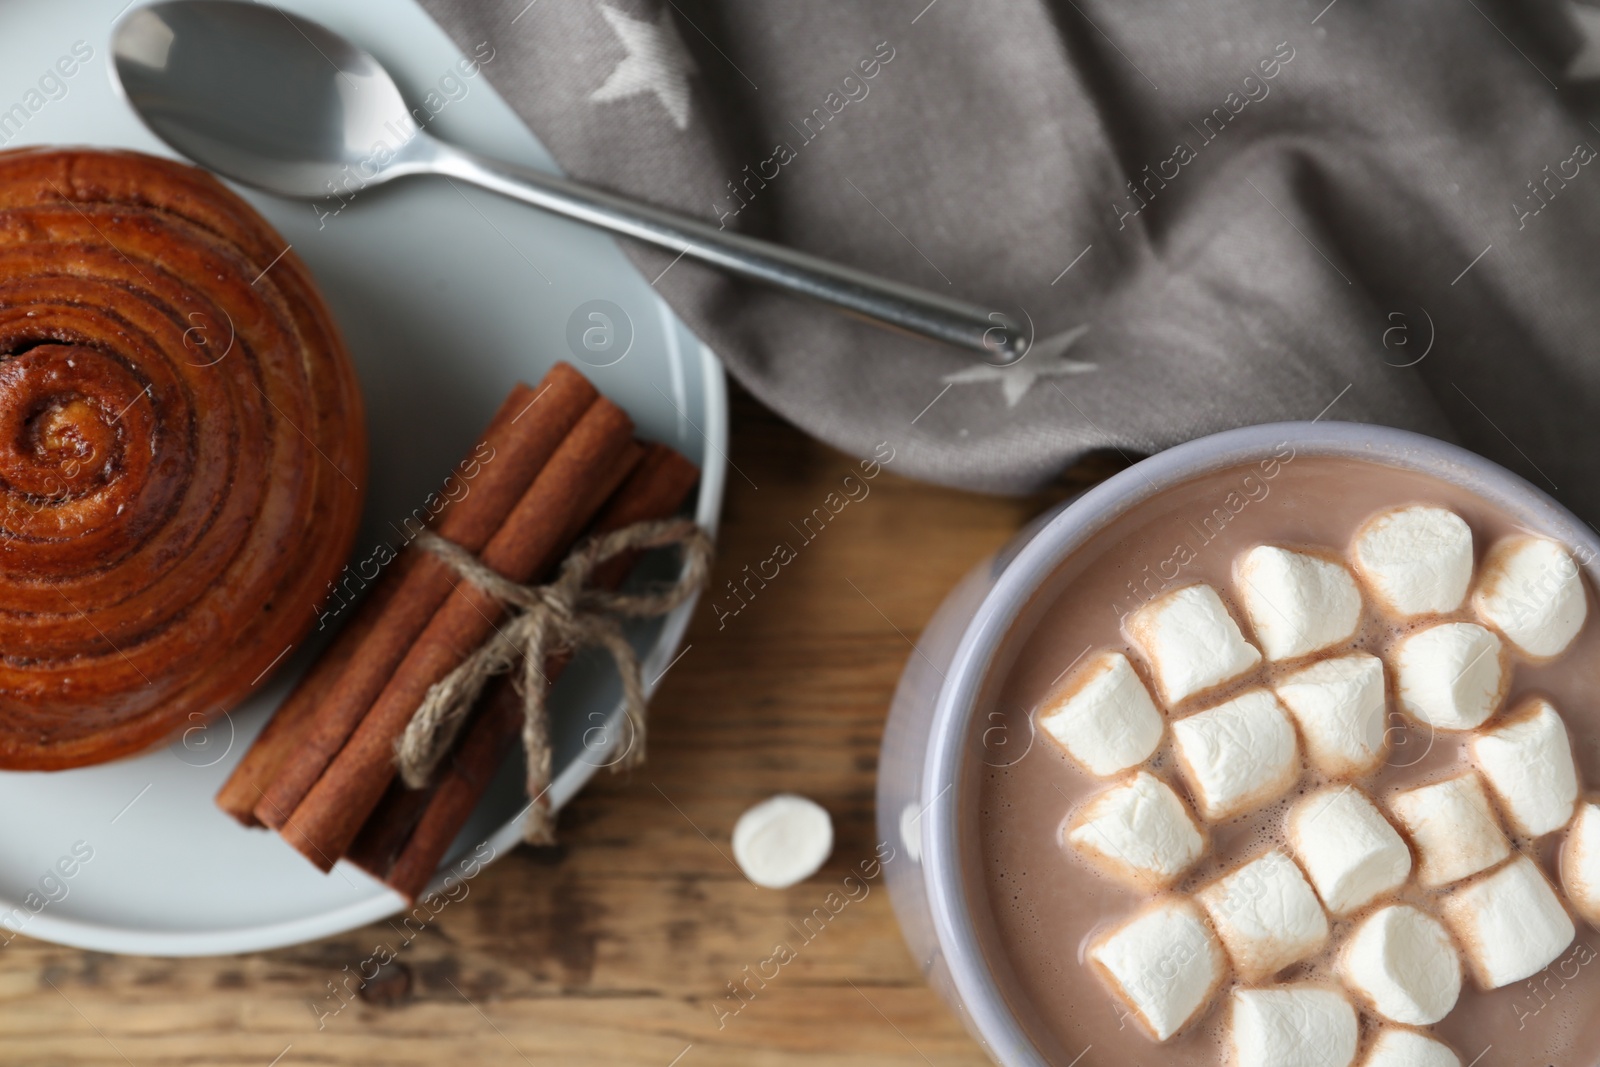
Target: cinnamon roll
182 452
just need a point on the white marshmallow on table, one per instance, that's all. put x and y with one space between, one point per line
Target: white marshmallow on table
1266 915
1238 755
1454 830
1297 603
1509 923
1450 676
1416 560
1190 641
782 841
1407 1048
1580 863
1527 761
1341 708
1163 964
1301 1025
1348 849
1104 717
1402 961
1532 592
1139 832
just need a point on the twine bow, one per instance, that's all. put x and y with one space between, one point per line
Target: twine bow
563 616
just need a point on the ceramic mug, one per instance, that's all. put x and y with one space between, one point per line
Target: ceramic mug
930 741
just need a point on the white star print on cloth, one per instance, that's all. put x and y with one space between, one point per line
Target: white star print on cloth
657 62
1046 359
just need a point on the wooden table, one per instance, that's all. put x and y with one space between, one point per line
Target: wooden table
618 946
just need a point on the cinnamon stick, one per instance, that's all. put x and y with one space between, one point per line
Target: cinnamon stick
525 434
389 827
655 491
489 741
252 775
528 543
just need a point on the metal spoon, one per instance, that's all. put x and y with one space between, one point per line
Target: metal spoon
286 105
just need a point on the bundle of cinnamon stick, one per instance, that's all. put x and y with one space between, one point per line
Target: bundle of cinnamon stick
562 463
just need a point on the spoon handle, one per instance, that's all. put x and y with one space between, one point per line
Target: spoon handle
876 299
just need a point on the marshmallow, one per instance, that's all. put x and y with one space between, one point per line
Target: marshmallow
1104 718
1163 964
1190 641
1238 755
1402 961
1417 560
1138 832
1509 923
1349 850
782 841
1453 828
1300 1025
1527 761
1266 915
1532 592
1451 675
1580 863
1341 709
1297 603
1407 1048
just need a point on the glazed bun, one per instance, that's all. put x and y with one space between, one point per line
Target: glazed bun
182 453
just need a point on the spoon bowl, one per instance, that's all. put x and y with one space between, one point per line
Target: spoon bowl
256 95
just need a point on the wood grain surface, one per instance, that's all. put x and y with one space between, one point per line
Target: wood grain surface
618 946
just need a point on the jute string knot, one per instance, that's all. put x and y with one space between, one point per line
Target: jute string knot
566 615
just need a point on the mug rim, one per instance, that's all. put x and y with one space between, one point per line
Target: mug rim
945 762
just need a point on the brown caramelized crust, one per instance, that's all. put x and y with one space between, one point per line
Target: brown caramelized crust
182 452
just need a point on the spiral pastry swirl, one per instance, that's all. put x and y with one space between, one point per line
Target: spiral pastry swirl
182 452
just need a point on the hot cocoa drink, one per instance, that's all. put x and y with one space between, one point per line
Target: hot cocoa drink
1288 766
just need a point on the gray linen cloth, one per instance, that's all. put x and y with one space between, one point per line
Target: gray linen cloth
1213 213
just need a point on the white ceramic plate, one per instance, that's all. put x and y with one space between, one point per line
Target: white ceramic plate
446 297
